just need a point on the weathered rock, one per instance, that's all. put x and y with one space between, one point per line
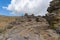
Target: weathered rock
35 29
58 30
53 17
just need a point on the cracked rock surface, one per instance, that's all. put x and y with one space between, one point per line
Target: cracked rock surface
29 28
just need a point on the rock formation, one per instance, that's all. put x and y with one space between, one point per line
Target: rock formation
28 27
53 16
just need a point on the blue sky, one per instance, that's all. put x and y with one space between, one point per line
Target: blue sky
4 3
18 7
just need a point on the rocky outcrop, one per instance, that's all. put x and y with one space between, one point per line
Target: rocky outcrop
53 17
54 6
29 28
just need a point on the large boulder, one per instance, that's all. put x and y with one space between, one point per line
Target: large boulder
53 15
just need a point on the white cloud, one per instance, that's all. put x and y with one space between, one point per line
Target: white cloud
36 7
4 7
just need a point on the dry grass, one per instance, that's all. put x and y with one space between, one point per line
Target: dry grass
6 19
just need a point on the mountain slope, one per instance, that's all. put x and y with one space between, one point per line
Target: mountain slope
28 27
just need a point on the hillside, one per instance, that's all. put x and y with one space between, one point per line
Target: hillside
28 27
